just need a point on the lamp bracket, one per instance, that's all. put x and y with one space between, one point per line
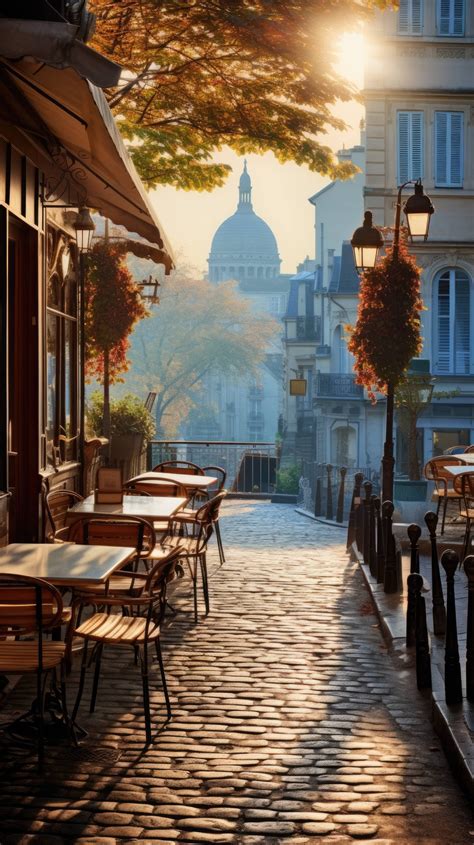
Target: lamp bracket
67 183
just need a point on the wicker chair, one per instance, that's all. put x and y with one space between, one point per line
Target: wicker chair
444 489
140 629
464 486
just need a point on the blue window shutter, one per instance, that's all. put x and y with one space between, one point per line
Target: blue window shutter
404 16
451 17
461 333
403 147
441 148
444 346
410 146
416 17
456 148
458 17
453 323
416 145
449 135
444 17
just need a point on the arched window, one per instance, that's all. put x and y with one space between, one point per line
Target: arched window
452 322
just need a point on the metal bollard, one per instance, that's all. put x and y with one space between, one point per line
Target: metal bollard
366 520
414 534
390 580
355 501
372 538
469 570
340 496
360 521
380 553
423 664
317 495
452 668
329 507
439 611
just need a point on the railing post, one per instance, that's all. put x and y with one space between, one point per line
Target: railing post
452 668
469 570
317 495
340 497
414 534
390 580
372 537
368 492
355 504
329 506
423 664
380 566
439 611
149 456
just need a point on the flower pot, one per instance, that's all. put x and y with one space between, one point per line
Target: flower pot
410 500
126 452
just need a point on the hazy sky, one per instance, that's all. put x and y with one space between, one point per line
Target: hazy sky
280 191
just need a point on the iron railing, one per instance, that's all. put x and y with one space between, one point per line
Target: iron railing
338 385
250 467
319 488
308 328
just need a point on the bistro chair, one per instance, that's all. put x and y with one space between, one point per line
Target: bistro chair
199 527
133 531
140 629
57 503
183 467
435 470
155 487
220 476
455 450
464 486
29 608
468 449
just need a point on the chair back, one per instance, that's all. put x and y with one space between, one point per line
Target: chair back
206 517
57 504
28 605
133 531
183 467
434 468
156 487
464 486
468 449
220 476
132 490
455 450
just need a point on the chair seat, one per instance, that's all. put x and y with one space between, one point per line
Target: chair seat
18 657
467 513
189 545
116 629
450 494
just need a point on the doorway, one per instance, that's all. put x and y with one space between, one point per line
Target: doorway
22 417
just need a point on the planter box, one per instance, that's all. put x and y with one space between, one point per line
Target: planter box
126 452
410 500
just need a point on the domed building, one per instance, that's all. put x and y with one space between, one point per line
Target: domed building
244 247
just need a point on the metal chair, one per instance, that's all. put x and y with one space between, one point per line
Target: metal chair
468 449
57 504
183 467
444 489
220 475
138 630
133 531
464 486
29 607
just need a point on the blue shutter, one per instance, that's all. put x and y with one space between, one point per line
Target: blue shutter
410 146
456 151
416 145
404 16
449 131
457 17
441 148
461 333
444 17
403 147
444 347
451 17
416 17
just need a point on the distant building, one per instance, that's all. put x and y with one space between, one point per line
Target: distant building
245 249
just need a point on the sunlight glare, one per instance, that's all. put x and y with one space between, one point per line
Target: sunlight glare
352 51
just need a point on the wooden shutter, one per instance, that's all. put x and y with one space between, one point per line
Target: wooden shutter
458 17
410 17
451 17
410 146
449 129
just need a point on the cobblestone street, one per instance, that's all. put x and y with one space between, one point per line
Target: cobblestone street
291 721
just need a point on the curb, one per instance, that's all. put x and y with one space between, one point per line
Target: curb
453 724
331 522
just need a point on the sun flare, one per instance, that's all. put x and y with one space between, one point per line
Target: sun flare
352 51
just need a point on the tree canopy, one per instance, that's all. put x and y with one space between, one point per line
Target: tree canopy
197 327
255 75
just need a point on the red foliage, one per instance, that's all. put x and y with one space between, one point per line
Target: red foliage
113 306
387 333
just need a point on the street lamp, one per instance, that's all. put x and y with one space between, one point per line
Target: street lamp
366 241
84 226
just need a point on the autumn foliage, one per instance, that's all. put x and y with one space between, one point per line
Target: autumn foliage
387 332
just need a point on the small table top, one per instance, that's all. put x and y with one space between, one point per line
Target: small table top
64 564
193 482
465 457
146 507
457 469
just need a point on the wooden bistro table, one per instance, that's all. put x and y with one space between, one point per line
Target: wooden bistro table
151 508
191 483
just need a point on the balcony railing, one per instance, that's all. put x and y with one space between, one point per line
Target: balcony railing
338 386
308 328
250 467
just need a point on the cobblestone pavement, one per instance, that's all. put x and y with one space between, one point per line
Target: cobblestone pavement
292 723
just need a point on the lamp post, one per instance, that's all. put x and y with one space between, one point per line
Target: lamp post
84 226
366 243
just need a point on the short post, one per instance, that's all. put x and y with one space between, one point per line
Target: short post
469 570
360 521
390 581
340 496
317 495
329 507
452 667
423 664
380 555
439 611
372 537
355 502
414 534
366 520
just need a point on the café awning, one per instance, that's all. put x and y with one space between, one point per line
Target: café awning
74 118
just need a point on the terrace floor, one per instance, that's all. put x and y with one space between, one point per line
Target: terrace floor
292 722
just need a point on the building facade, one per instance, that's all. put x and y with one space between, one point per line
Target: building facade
419 109
245 249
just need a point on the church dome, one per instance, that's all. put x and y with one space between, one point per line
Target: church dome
244 237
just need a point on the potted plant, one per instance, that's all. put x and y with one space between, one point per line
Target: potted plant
131 427
412 396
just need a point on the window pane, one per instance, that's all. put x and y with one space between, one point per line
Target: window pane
69 422
51 381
